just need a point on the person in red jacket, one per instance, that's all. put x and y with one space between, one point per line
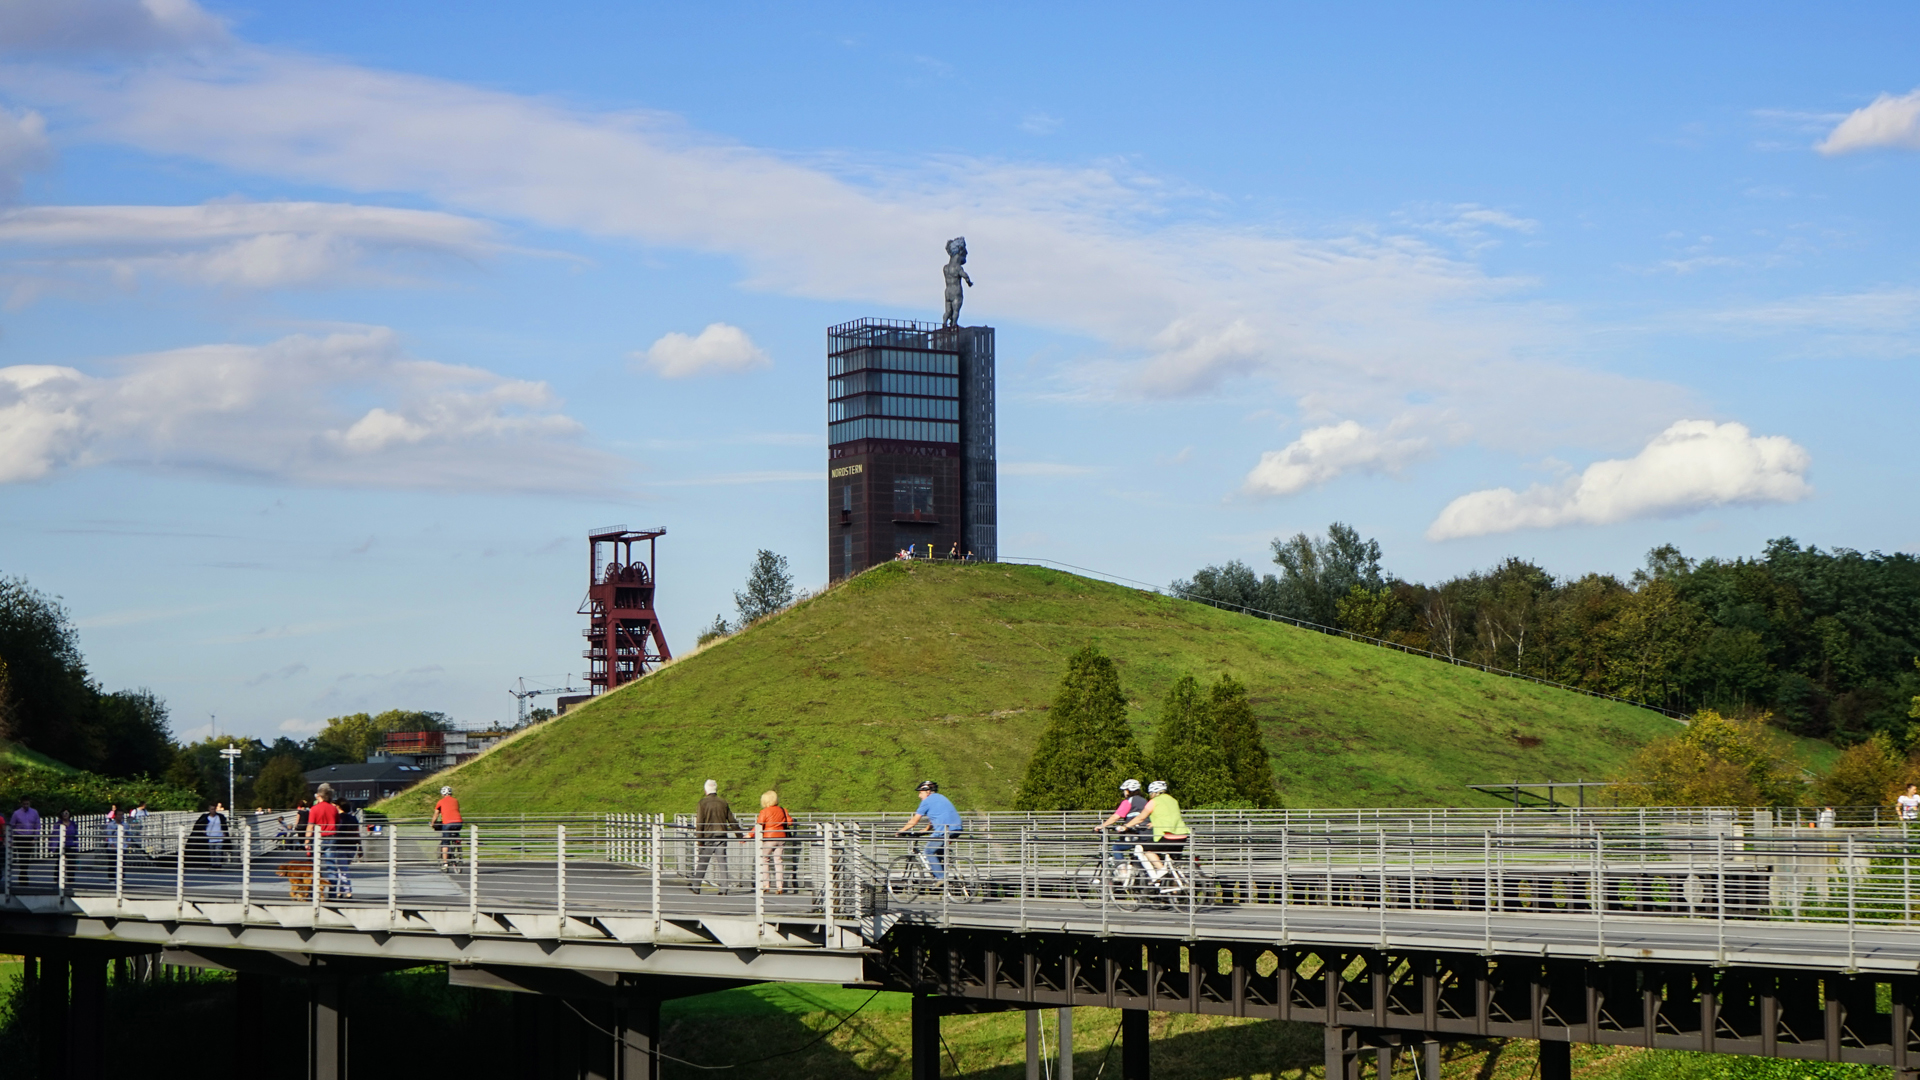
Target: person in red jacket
323 827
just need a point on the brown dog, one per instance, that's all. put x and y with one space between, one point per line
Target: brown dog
299 877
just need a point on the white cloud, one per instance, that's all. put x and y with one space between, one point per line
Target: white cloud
280 411
1690 466
1043 468
1887 122
234 245
301 727
23 148
1040 123
1322 453
1179 302
115 26
719 348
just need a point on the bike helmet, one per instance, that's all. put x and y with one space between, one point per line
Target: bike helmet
1129 785
928 785
1156 787
446 791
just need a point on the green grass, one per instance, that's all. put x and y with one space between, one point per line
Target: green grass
736 1027
847 700
15 756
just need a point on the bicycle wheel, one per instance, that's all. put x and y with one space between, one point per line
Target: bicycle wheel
1207 888
1089 880
907 879
1131 887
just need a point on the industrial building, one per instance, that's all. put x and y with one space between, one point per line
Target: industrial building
910 443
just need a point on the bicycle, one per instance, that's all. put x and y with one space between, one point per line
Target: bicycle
1113 863
1185 882
451 844
911 877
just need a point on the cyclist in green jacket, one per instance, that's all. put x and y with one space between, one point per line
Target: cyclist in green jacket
1170 832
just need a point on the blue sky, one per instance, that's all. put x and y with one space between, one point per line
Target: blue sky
329 330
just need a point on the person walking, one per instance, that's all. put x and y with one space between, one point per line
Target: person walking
774 822
323 822
943 823
1908 805
137 824
713 824
217 835
25 822
446 818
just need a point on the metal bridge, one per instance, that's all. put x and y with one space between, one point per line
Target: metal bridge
1712 930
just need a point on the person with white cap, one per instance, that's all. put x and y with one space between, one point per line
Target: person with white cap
713 824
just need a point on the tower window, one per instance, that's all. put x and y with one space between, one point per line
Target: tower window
913 495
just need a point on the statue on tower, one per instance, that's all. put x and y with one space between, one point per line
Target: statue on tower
956 271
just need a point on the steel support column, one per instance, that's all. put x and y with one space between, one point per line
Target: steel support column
249 1019
326 1031
1133 1044
1033 1044
639 1039
1556 1060
926 1037
89 1001
53 1015
1066 1045
1341 1063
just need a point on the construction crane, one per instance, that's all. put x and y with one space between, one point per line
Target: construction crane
522 693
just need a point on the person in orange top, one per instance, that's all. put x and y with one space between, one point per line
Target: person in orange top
774 822
446 818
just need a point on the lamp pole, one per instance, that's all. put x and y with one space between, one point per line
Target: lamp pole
232 754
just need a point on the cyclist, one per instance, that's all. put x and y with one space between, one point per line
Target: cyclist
1170 832
1130 804
446 818
942 824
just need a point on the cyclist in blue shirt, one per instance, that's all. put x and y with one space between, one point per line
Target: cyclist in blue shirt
942 824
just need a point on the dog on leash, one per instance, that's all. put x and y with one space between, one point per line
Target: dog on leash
299 877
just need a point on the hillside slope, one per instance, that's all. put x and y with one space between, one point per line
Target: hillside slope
918 670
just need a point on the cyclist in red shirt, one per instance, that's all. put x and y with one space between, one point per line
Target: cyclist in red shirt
446 818
322 823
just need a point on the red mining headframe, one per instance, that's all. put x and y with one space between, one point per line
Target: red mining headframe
620 606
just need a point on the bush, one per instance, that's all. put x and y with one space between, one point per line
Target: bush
1717 761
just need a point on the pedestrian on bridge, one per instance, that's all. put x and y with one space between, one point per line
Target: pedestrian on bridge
713 825
25 824
1909 804
323 822
774 821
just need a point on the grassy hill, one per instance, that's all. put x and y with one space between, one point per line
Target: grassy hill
918 670
15 756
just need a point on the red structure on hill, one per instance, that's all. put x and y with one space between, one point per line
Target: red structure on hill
623 633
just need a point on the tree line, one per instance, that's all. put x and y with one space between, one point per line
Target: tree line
1823 641
1206 746
122 740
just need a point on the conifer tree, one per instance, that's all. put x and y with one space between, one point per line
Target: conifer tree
1247 762
1087 747
1187 753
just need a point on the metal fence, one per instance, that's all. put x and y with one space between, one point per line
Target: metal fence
1700 874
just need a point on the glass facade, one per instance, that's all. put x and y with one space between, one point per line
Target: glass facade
893 382
916 408
930 363
902 430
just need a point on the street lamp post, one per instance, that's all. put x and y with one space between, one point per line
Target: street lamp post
232 754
